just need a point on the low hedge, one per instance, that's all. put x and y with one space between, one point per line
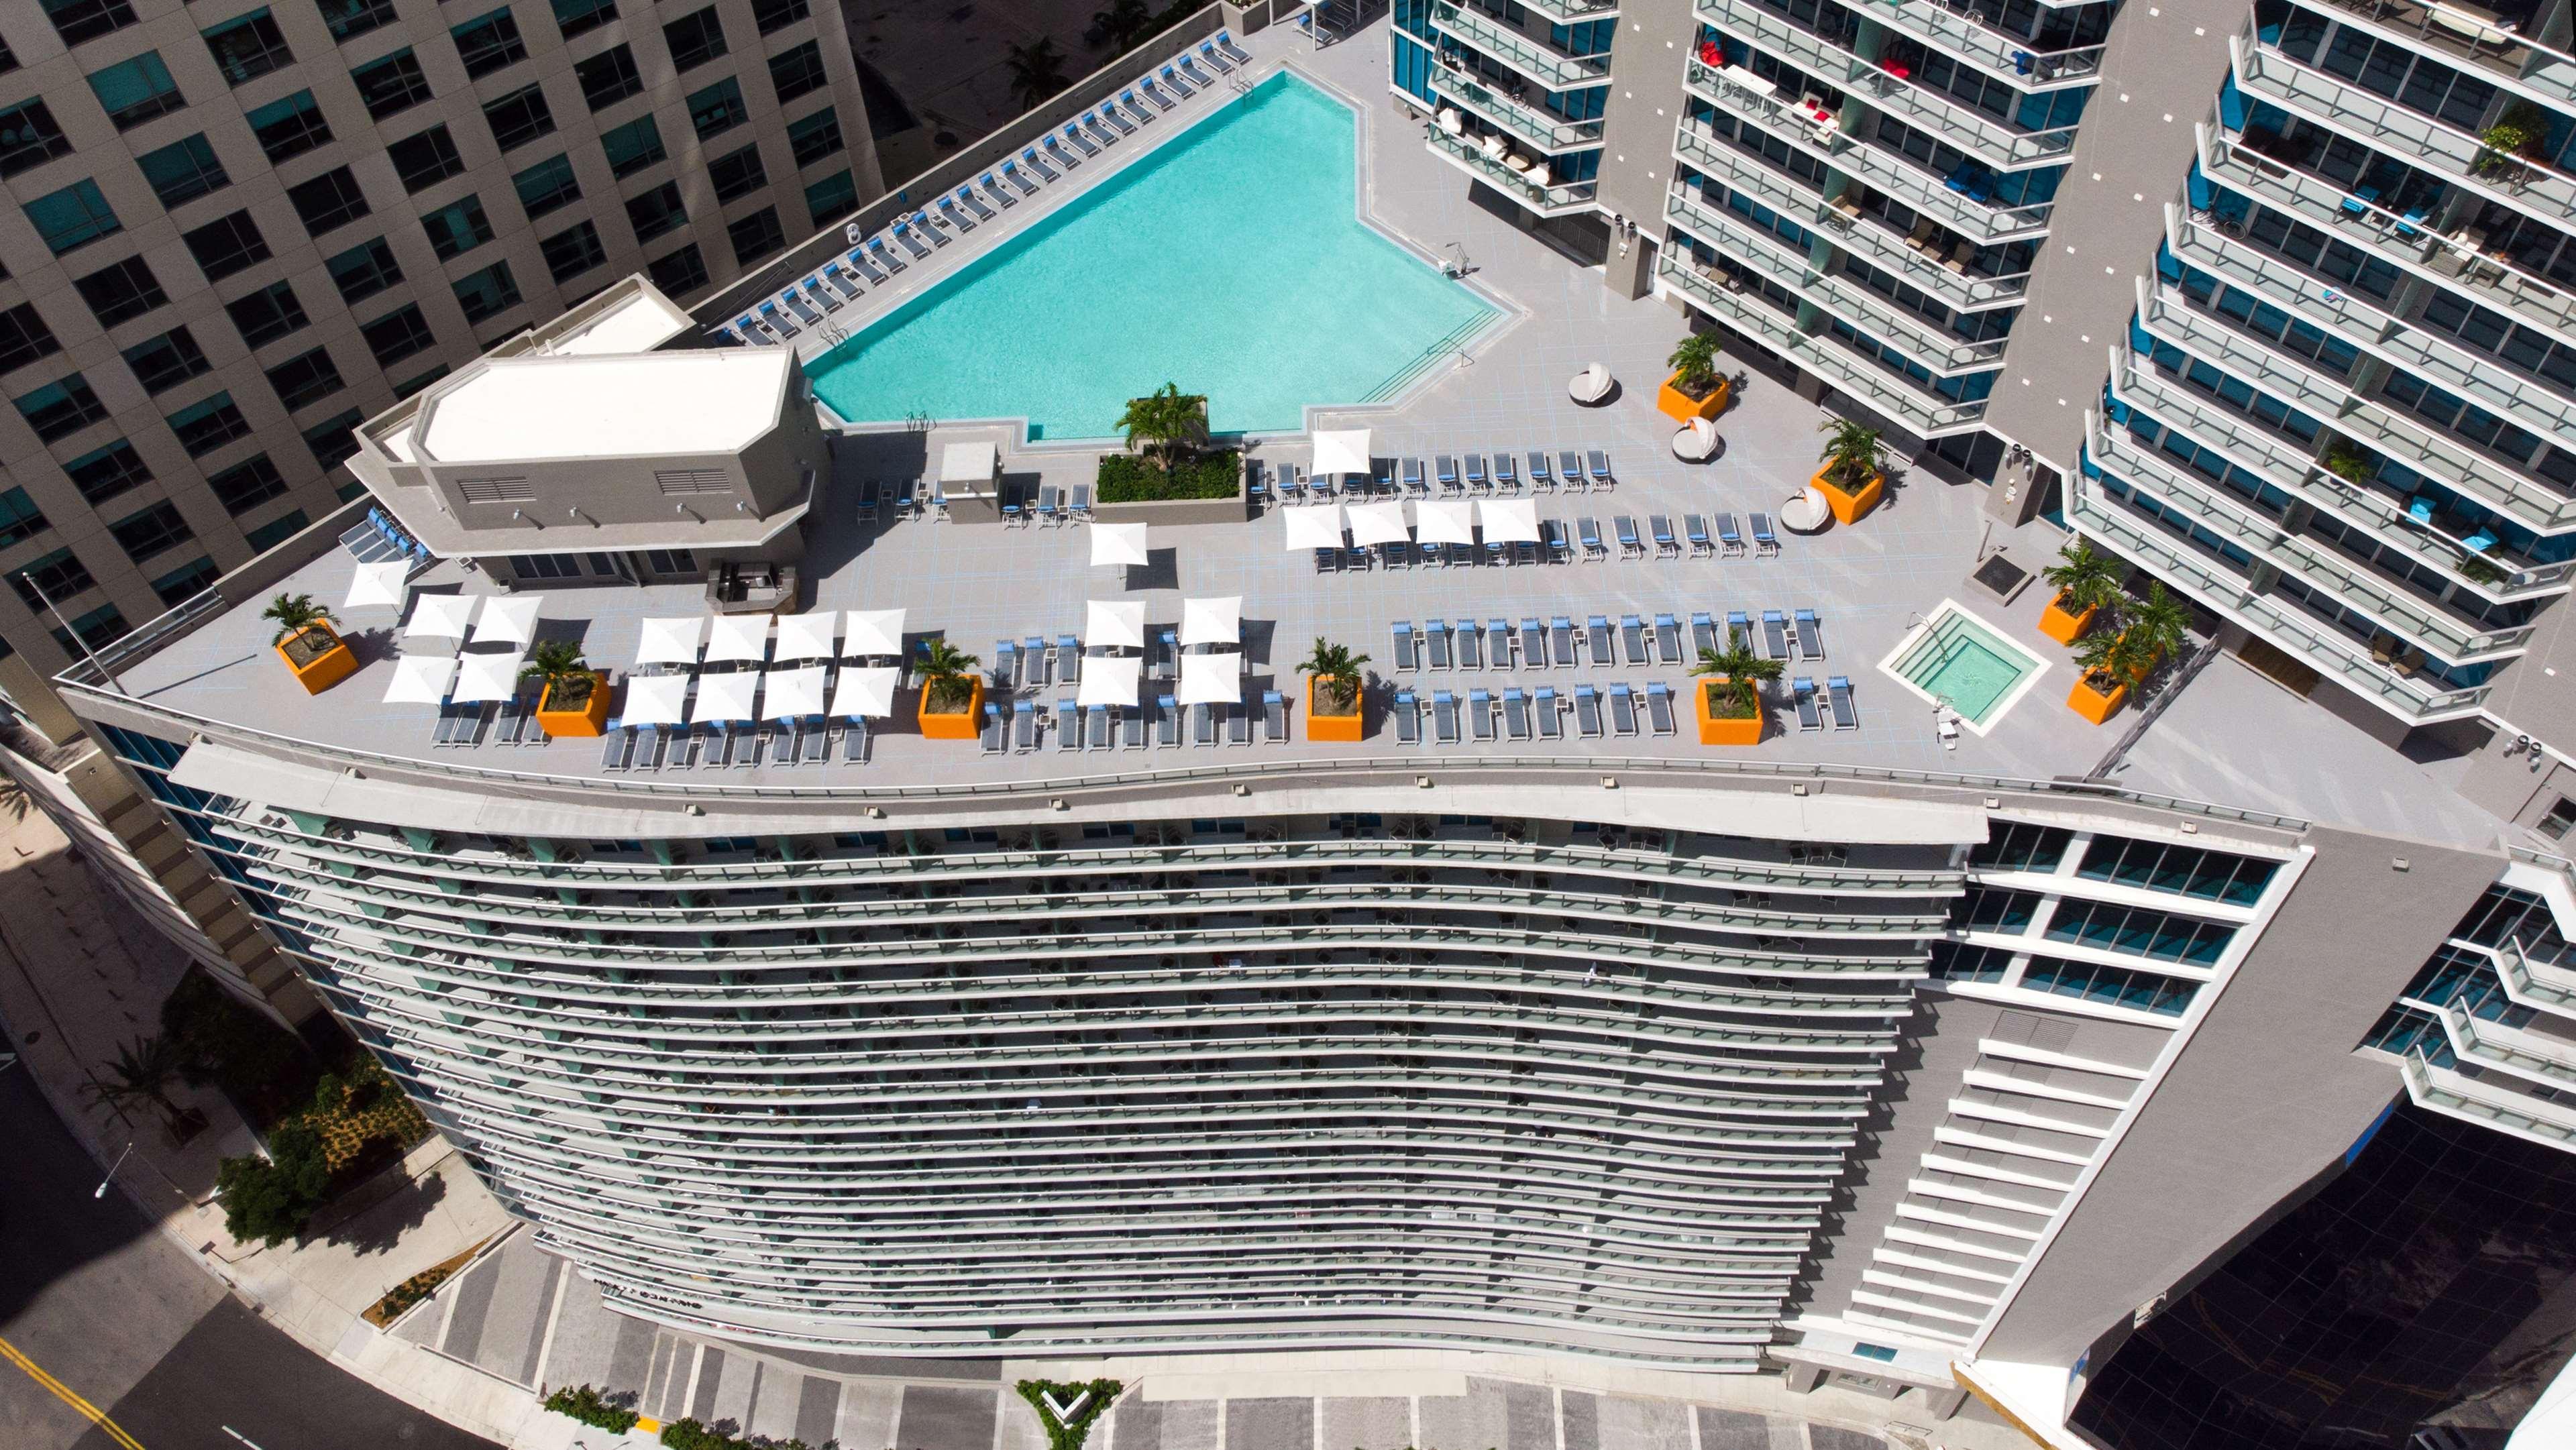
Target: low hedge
1063 1436
1126 478
692 1435
589 1406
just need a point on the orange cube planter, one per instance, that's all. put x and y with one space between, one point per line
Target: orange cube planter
590 717
2061 626
1851 505
318 656
1681 407
2094 704
1322 724
1723 729
960 725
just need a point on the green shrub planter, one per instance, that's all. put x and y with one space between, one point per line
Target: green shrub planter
692 1435
1096 1397
1125 478
592 1408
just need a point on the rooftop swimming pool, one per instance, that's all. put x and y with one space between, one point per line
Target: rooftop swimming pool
1230 261
1955 659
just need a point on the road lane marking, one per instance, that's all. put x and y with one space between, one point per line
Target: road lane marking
64 1393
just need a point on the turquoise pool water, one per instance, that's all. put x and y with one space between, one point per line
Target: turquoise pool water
1962 662
1230 262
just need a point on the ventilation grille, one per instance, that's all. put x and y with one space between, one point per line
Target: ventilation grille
495 490
692 480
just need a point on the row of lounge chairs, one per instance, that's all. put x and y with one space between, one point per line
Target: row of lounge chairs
713 745
1556 545
1514 714
1580 472
487 722
1836 703
909 498
1559 644
1022 726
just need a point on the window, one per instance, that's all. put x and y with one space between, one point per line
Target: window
488 293
398 335
681 272
427 159
798 72
832 198
1991 908
737 173
334 439
717 109
305 378
247 47
104 472
266 315
547 185
55 577
572 17
2114 986
183 171
1959 962
290 126
2556 822
350 19
246 485
364 270
608 77
134 91
633 146
656 211
410 386
120 291
519 117
62 407
457 228
226 245
97 629
148 533
203 427
277 530
24 337
670 561
329 201
488 42
79 20
2140 932
695 39
756 236
814 137
186 582
772 15
2014 847
73 217
392 84
2155 866
164 362
29 138
570 253
20 519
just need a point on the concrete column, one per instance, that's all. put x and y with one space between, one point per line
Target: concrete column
1803 1378
1632 275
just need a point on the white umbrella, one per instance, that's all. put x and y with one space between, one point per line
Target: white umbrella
1313 528
1378 523
1115 623
866 690
378 583
726 697
1217 620
1446 522
806 636
795 694
1212 679
656 700
873 632
1110 680
420 679
1508 520
738 637
670 641
1118 543
487 677
507 619
1342 450
440 616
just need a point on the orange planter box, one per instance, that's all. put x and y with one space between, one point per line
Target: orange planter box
590 717
328 659
2095 705
1681 407
2061 626
942 725
1722 729
1322 724
1850 506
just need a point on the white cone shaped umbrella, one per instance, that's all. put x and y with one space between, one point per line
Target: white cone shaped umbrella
1110 680
440 616
1508 520
656 700
866 690
1378 523
738 637
807 636
872 632
420 679
377 584
670 641
1446 521
1118 544
1115 623
507 619
1313 528
487 677
726 697
1342 450
1215 679
794 694
1217 620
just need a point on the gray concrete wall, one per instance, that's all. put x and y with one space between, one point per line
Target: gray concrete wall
1645 105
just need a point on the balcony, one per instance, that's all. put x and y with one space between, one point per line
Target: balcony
2450 1093
2001 54
1529 187
1566 12
2526 1055
1527 54
1928 415
2466 38
1531 126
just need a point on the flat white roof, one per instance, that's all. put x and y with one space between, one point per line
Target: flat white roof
604 406
638 322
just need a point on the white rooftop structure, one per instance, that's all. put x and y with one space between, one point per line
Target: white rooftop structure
639 321
610 406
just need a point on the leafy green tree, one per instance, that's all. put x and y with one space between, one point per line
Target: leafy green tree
559 664
948 672
1739 693
294 613
1852 453
2084 578
140 1076
271 1199
1694 363
2159 625
1337 672
1167 428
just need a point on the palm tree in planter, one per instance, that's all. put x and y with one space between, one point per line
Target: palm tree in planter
2087 583
2157 627
951 691
2109 662
140 1076
1855 468
1165 429
1729 700
575 696
308 643
1696 389
1332 692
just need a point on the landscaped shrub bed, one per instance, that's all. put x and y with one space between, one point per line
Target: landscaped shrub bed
1125 478
1062 1436
691 1435
590 1407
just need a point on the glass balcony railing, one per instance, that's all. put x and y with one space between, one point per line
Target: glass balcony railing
2466 36
1529 186
1569 11
1867 381
1517 50
2504 1048
2005 56
2449 1092
1534 127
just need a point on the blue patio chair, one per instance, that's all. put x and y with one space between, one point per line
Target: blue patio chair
1810 634
1703 632
1516 714
1550 712
1533 645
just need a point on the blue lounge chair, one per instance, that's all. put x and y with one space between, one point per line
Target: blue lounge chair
779 322
912 244
1551 533
1569 467
1764 541
1095 727
1516 714
1127 98
1413 476
1173 83
1802 693
1274 717
1408 718
1666 546
794 301
1507 479
618 750
1012 173
1838 699
1189 67
975 203
1480 715
1775 634
1056 153
1560 642
1006 665
1668 639
1234 52
854 741
1435 640
1109 113
1476 472
1448 474
1810 634
1630 546
1097 129
1597 463
1155 94
1030 155
1739 629
1081 143
1444 717
956 219
1727 535
1623 709
842 282
1632 639
997 191
1498 643
1216 62
1541 480
1471 645
1167 721
1593 548
1533 645
1068 725
1033 663
879 251
1696 528
1703 632
1598 642
1404 656
1587 712
1659 707
860 263
1551 716
1024 725
922 224
1068 660
994 733
1133 722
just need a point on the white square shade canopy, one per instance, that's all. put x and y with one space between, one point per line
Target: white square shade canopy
969 463
795 694
656 700
507 619
1445 522
872 632
1111 680
1378 523
672 641
1118 544
738 637
377 583
1212 679
440 616
487 677
1313 528
420 679
1341 450
1115 623
866 690
1216 620
806 636
726 697
1508 520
